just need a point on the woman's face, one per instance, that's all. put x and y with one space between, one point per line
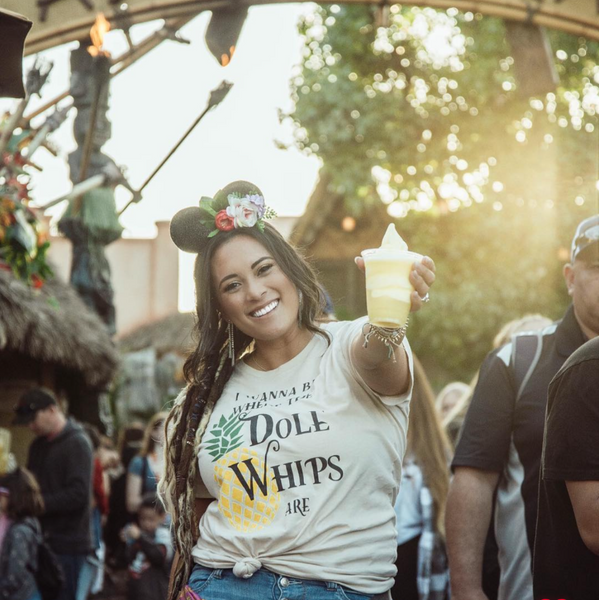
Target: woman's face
252 291
158 433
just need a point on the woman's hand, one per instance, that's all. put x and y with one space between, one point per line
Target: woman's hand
422 278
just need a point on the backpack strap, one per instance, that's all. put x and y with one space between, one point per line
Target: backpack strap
526 352
144 474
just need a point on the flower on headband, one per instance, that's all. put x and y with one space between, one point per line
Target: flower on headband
223 221
258 201
242 211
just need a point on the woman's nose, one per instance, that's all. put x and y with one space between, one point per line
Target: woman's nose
255 290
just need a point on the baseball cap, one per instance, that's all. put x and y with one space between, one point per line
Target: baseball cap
30 402
587 234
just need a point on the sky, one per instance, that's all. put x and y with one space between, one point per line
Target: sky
154 102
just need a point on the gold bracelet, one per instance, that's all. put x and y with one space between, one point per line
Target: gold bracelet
391 337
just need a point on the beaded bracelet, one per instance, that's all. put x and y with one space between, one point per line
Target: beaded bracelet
391 337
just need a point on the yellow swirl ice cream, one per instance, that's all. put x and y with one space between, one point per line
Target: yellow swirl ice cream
388 286
392 240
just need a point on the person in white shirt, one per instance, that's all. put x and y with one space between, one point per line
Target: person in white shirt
284 453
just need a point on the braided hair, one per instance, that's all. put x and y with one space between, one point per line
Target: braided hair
208 368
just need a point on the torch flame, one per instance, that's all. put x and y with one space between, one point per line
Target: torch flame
225 59
99 29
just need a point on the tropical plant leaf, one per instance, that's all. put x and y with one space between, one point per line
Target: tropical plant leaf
237 440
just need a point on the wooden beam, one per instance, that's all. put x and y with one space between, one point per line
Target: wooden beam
70 20
533 59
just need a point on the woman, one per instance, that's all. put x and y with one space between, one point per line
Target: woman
421 563
290 435
450 396
129 445
145 469
21 503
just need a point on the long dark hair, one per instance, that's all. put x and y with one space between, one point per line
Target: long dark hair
211 328
24 495
208 369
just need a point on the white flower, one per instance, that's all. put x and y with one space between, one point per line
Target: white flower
243 212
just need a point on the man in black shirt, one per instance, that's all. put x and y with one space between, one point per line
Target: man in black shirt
498 456
61 459
566 557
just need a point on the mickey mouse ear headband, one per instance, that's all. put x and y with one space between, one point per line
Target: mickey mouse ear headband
239 204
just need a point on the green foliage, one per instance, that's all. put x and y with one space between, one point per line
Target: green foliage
492 267
424 114
430 104
23 246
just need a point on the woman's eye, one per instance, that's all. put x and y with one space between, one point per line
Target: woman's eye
264 269
231 286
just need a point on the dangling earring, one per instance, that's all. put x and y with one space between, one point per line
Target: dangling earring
231 333
301 306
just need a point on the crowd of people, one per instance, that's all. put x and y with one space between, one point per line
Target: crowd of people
310 458
93 502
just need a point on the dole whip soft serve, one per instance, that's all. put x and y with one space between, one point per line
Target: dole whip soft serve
388 286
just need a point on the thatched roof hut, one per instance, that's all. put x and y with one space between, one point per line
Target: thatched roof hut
49 337
53 326
171 334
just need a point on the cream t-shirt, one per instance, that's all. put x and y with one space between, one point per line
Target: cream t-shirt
305 462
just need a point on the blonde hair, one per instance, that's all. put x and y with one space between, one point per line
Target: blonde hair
530 322
454 387
428 444
148 444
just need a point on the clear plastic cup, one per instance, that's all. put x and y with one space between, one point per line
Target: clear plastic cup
388 286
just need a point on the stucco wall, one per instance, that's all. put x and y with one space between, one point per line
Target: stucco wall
145 276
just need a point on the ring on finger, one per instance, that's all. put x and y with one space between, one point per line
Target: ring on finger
426 298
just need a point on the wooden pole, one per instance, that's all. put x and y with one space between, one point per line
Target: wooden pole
124 61
79 190
89 135
11 124
46 106
216 97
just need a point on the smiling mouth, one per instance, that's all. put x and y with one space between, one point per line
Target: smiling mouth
266 310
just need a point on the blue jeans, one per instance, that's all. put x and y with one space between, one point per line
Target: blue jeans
221 584
36 596
87 575
71 566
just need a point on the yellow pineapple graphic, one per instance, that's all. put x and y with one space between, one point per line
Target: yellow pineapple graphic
248 498
243 512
